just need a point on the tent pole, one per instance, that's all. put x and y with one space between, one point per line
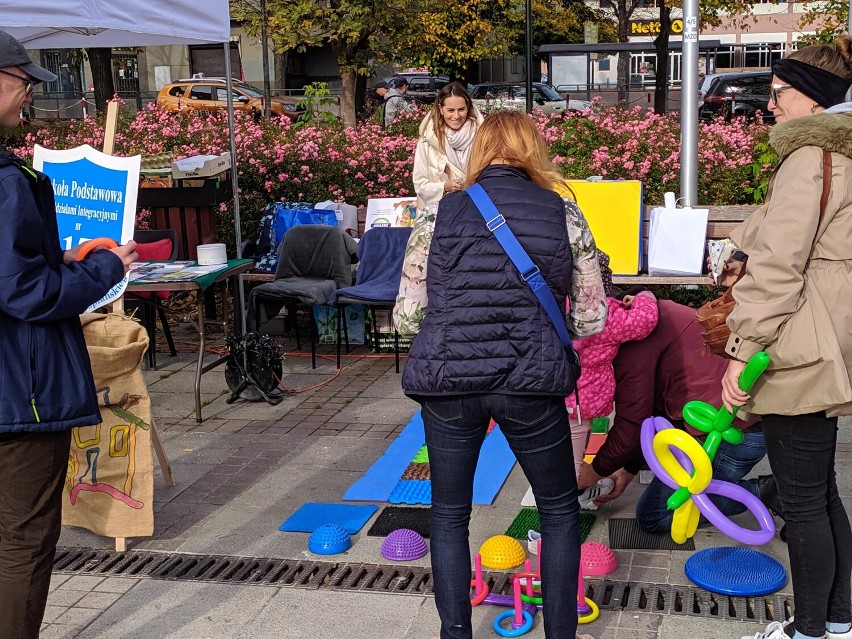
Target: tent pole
235 181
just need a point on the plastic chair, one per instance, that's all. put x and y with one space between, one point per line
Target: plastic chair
314 261
149 303
380 254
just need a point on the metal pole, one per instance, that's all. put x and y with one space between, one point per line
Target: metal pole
235 182
264 44
689 106
529 55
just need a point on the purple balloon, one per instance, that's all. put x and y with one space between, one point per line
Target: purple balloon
650 427
724 523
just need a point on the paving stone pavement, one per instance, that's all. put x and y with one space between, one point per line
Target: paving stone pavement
248 466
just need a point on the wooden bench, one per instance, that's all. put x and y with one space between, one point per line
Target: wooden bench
722 220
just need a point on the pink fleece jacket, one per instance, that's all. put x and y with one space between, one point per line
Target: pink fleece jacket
596 385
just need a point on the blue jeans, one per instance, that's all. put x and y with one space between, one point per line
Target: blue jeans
731 463
538 432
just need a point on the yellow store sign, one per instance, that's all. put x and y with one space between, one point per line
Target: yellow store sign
652 27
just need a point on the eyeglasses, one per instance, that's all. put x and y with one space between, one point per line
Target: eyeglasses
775 89
28 81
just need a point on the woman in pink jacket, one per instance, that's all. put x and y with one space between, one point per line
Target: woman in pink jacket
630 319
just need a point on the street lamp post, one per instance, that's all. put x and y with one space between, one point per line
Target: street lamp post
264 44
528 53
689 106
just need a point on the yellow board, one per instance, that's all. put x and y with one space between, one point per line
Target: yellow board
614 211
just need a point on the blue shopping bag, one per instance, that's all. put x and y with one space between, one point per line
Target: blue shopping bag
280 217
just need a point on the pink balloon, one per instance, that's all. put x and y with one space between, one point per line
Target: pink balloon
724 523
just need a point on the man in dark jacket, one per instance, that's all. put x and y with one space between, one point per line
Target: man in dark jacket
658 376
46 383
374 99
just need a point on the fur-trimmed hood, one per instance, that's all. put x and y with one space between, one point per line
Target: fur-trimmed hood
830 131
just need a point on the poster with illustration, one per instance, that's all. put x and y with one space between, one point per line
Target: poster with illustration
391 211
109 487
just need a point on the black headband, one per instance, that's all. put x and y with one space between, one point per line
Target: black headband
826 88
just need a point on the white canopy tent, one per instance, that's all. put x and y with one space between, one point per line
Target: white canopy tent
80 24
60 24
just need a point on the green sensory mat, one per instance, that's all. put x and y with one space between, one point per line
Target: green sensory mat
528 520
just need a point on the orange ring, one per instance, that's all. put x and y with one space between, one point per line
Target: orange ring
87 247
481 596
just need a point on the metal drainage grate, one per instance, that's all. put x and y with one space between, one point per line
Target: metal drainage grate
663 599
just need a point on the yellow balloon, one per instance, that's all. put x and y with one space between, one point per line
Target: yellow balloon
703 469
685 522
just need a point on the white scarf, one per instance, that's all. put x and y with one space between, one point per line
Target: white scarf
457 146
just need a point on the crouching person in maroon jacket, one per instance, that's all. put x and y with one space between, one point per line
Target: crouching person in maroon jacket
656 377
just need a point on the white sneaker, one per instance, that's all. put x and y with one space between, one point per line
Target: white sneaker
588 496
775 630
529 498
839 635
533 538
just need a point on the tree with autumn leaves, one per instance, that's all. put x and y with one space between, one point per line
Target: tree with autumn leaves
447 36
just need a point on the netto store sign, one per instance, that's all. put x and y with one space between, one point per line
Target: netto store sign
652 27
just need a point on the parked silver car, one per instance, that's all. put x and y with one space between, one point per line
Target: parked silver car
491 96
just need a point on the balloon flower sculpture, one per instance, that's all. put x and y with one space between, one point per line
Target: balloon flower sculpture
681 463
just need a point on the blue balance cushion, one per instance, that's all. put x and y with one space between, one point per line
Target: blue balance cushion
740 572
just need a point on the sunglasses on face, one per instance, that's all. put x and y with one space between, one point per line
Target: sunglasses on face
28 81
775 89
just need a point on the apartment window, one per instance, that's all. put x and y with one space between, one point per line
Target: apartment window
50 60
762 55
725 57
125 73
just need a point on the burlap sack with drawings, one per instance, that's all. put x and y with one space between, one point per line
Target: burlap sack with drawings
109 488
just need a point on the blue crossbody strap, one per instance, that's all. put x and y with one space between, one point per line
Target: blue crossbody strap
496 223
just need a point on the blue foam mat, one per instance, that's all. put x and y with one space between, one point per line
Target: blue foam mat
739 572
313 515
411 491
382 478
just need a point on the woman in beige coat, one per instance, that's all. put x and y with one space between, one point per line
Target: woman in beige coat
794 303
446 134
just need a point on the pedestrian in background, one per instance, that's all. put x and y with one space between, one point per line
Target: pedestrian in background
374 99
395 100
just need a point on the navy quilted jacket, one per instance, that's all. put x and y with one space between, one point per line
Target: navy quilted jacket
46 379
484 329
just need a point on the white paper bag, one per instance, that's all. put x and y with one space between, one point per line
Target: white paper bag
347 215
676 241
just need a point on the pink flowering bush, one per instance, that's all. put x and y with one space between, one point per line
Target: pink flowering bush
625 143
278 162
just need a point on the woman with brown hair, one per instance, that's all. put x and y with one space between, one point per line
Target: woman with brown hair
793 303
486 348
443 149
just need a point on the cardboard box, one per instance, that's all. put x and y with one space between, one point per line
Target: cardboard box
155 182
201 166
391 211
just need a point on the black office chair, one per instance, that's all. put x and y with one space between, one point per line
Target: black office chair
314 261
149 304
